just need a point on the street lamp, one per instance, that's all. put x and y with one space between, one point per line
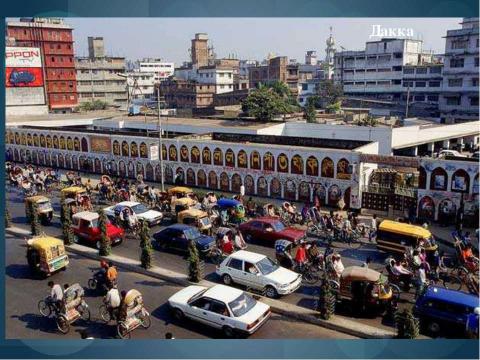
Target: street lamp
160 149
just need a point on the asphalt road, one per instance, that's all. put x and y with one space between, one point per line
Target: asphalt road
304 296
23 321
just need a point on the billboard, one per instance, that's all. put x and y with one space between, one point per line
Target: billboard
24 81
100 144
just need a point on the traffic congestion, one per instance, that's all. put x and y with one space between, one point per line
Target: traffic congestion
252 249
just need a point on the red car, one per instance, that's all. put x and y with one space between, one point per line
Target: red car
270 229
85 229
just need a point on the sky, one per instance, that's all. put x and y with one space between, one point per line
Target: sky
247 38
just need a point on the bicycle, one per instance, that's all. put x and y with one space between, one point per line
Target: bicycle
309 273
46 307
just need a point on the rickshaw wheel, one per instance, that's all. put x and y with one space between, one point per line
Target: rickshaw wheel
44 309
92 284
63 324
433 328
309 278
84 313
122 331
104 313
452 282
76 240
145 320
98 245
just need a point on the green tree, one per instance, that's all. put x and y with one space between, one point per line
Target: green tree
146 246
8 218
67 225
309 111
194 267
408 326
326 300
105 247
35 223
330 94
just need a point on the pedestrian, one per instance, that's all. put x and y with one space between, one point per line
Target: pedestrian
372 235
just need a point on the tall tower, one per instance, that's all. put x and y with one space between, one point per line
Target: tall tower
200 52
96 48
329 56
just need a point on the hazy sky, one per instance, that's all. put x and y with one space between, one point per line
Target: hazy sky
249 38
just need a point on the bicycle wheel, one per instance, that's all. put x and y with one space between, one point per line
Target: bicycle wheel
452 282
63 324
395 291
44 308
84 312
92 284
145 320
104 313
122 331
309 278
354 243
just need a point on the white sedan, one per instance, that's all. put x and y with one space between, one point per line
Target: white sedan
153 217
231 310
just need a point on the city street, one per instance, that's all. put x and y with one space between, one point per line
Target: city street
23 321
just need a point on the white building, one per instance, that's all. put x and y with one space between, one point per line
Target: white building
377 70
221 77
459 99
423 82
311 57
306 89
161 69
141 85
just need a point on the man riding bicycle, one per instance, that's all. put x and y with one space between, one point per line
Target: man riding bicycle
112 301
56 295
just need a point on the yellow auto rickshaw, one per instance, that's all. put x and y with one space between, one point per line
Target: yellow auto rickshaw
44 208
72 192
79 195
46 255
182 204
197 218
367 290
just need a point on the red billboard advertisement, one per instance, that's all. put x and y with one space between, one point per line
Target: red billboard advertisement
23 77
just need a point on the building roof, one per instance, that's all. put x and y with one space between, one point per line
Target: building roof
247 256
223 293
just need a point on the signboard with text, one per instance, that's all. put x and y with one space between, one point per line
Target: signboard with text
100 144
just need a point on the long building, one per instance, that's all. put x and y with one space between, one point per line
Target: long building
55 39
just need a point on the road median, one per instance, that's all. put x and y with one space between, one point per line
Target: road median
337 322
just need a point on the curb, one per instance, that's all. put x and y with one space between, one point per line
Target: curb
337 323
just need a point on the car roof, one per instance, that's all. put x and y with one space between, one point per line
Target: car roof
127 203
179 227
266 219
223 293
247 256
404 229
86 215
451 296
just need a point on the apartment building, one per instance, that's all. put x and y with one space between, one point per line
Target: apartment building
459 98
187 94
55 39
423 82
161 69
377 71
101 77
276 69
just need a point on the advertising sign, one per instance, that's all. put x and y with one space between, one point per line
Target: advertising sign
23 77
154 152
23 57
100 144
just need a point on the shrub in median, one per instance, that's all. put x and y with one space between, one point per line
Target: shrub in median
105 246
146 246
408 326
326 300
194 267
35 223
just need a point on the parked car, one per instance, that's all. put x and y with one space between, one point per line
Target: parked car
85 229
177 237
259 272
445 153
476 155
442 310
231 310
152 217
270 229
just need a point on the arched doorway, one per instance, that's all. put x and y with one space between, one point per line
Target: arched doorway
426 209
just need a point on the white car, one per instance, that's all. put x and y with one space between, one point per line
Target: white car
231 310
259 272
445 153
152 217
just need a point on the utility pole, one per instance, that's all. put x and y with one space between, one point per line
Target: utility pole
160 149
408 100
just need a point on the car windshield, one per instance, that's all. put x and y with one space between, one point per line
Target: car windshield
95 222
44 205
192 233
278 226
139 209
267 266
241 305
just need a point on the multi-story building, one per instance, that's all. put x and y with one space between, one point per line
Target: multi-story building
422 82
276 69
161 69
311 57
187 94
55 40
101 77
377 71
459 98
141 85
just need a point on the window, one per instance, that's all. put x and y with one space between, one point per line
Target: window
422 70
474 101
476 61
474 81
219 308
250 268
457 63
235 264
202 303
53 59
59 46
420 83
304 86
52 46
398 55
432 97
435 70
371 70
407 83
397 68
455 82
453 100
459 44
434 83
419 97
397 81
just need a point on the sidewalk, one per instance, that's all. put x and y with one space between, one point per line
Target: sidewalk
337 322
